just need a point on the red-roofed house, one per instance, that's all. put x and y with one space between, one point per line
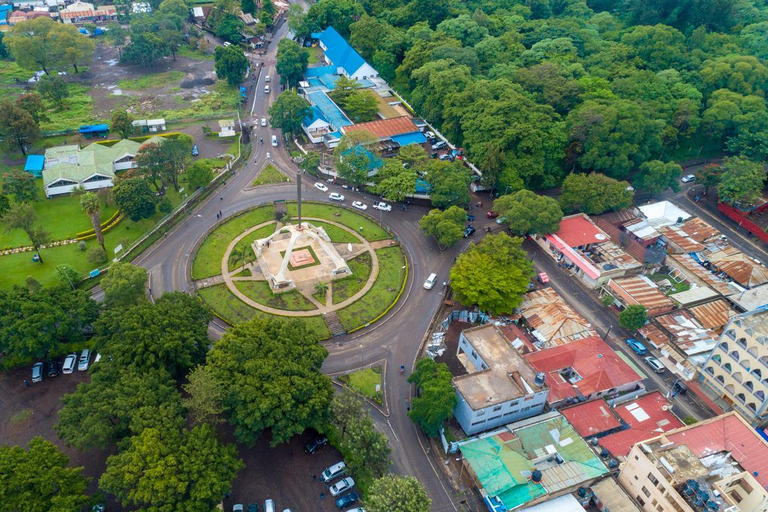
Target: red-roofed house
588 252
591 418
584 370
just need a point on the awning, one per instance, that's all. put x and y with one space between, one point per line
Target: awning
577 259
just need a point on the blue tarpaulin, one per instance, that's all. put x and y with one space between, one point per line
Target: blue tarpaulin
34 165
410 138
94 128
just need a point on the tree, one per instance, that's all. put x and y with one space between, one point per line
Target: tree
54 88
413 155
24 217
594 194
4 49
206 395
656 176
493 274
21 184
633 317
37 43
176 153
709 176
271 371
527 213
17 127
122 123
436 398
449 183
75 48
146 47
292 62
446 226
200 174
354 164
91 205
118 36
361 106
39 479
394 180
33 103
311 162
742 181
395 493
154 165
164 469
124 285
135 198
5 205
288 112
230 64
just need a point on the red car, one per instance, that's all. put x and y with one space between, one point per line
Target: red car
491 214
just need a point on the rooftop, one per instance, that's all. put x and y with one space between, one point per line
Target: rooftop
664 213
577 230
756 320
699 230
552 319
691 265
694 295
565 503
752 299
641 290
507 377
591 418
383 128
504 461
739 267
339 51
676 236
687 334
713 315
583 367
613 497
331 112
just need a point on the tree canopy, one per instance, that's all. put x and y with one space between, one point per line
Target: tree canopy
742 181
594 194
436 399
43 44
230 64
446 226
395 493
292 62
527 213
288 111
656 176
633 317
124 285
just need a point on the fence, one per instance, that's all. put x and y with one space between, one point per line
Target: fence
738 216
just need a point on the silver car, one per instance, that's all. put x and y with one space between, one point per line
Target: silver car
342 485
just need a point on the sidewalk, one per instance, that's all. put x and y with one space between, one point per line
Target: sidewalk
694 386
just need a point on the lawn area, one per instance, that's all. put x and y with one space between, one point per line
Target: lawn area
186 51
222 100
247 241
336 234
682 286
207 261
371 230
151 80
10 71
61 216
77 111
315 54
235 311
269 176
260 292
382 293
364 382
387 110
349 286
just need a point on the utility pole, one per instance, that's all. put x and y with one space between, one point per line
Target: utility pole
298 194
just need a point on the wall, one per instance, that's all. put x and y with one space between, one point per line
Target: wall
494 416
645 483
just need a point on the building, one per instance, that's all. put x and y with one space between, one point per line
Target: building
608 496
83 12
638 290
399 129
663 214
530 462
149 125
326 120
713 315
227 128
588 252
753 298
340 54
35 165
565 503
737 369
686 267
500 386
739 267
315 125
551 320
92 167
690 338
718 464
584 370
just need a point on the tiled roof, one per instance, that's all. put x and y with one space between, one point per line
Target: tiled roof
640 290
553 319
577 230
385 127
591 418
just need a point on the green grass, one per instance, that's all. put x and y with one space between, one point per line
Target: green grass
77 111
364 381
247 241
10 71
21 416
151 80
223 100
315 53
269 176
186 51
349 286
382 293
207 261
336 234
682 286
235 311
371 230
261 293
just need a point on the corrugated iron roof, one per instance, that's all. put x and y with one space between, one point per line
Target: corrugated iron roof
613 497
739 267
713 315
385 127
699 230
639 290
680 241
546 312
690 336
577 230
653 334
717 284
591 418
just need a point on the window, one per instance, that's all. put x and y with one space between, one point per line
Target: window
525 409
529 398
474 355
646 492
745 485
497 408
640 500
660 509
636 478
742 342
478 422
736 496
653 479
481 412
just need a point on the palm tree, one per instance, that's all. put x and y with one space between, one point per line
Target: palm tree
321 288
90 204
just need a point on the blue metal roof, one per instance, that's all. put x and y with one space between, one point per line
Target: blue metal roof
35 164
422 187
410 138
331 112
94 128
314 114
339 51
374 161
322 70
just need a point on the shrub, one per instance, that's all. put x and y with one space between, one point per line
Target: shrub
165 205
81 245
97 255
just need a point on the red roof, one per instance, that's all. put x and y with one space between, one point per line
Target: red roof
591 418
646 418
577 230
599 367
385 127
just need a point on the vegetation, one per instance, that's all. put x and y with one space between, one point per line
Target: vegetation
741 181
122 123
529 214
395 493
633 317
43 44
231 64
446 226
292 62
594 194
288 112
124 285
22 216
269 176
436 396
656 176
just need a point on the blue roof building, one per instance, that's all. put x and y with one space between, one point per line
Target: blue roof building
340 54
374 161
5 11
35 165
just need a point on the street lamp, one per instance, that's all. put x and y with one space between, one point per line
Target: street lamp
65 276
607 332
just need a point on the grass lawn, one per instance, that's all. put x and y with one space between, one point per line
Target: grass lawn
382 293
349 286
235 311
682 286
10 71
77 111
269 176
247 241
222 100
151 80
315 53
186 51
336 234
371 230
387 110
207 261
260 292
364 382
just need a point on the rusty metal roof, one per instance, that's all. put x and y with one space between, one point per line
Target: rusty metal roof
640 290
739 267
699 230
702 273
713 315
680 240
546 312
690 336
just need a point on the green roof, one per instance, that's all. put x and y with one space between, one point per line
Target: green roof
503 461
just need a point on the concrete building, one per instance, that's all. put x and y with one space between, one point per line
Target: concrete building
340 54
719 464
84 12
500 386
737 369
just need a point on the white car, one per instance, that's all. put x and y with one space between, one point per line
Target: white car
85 359
358 509
238 508
342 485
335 196
359 205
688 178
69 364
266 78
429 135
439 145
274 140
263 121
321 187
382 206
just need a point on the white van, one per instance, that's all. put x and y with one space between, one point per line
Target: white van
266 78
430 282
266 89
274 140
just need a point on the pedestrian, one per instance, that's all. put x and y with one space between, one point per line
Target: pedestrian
26 382
322 495
314 477
220 215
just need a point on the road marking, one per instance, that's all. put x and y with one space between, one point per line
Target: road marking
393 431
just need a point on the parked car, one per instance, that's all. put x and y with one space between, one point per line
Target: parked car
335 196
269 505
491 215
342 485
469 231
636 346
195 152
314 445
53 368
69 364
263 121
688 178
267 79
332 472
237 508
382 206
359 205
321 187
85 359
429 135
655 364
253 507
430 282
356 509
445 157
347 500
501 220
37 372
470 217
439 145
274 140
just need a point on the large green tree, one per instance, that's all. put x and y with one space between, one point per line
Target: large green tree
288 111
527 213
493 274
135 198
21 185
205 396
594 194
271 371
446 226
230 64
18 129
55 89
656 176
436 396
43 44
395 181
709 176
24 217
633 317
742 181
449 183
124 285
292 62
121 123
395 493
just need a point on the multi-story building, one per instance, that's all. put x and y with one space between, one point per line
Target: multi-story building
737 369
